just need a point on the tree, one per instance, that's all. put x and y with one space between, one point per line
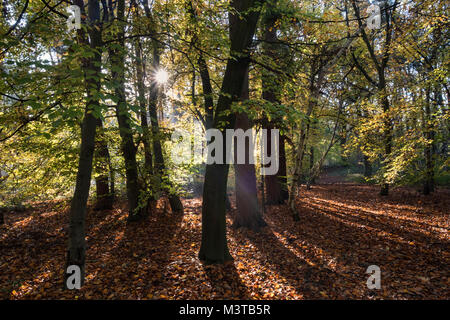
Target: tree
146 134
214 248
248 215
380 64
276 185
117 57
105 196
76 251
160 167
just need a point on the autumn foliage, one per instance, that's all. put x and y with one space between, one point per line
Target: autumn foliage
343 229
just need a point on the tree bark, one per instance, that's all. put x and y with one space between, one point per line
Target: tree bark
387 129
247 212
76 251
312 177
117 57
304 132
102 169
214 248
271 86
174 200
283 169
148 157
367 167
428 185
159 165
207 92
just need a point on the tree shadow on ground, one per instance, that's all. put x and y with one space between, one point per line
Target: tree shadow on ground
139 252
309 279
225 281
350 240
408 230
32 250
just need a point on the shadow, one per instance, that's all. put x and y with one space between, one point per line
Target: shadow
410 230
342 230
310 280
410 255
34 245
138 254
32 251
225 282
360 195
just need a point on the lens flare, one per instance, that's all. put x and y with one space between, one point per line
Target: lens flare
161 77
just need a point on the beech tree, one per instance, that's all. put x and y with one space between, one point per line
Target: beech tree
248 214
76 252
214 248
117 59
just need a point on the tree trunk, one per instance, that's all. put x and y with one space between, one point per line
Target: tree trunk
102 168
247 212
76 251
214 248
117 57
283 170
367 167
428 185
304 132
174 200
387 130
159 166
315 170
380 65
270 92
112 178
273 183
148 158
312 177
207 92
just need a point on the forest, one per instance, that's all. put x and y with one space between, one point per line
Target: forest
224 149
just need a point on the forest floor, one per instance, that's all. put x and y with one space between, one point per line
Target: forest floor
344 228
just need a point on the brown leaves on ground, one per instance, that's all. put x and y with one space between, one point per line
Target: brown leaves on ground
343 229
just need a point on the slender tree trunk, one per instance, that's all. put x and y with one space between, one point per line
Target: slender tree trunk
117 57
428 185
174 200
247 212
380 65
367 167
207 92
76 251
283 170
102 169
387 129
271 86
311 165
214 248
112 178
148 158
159 166
315 170
304 132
